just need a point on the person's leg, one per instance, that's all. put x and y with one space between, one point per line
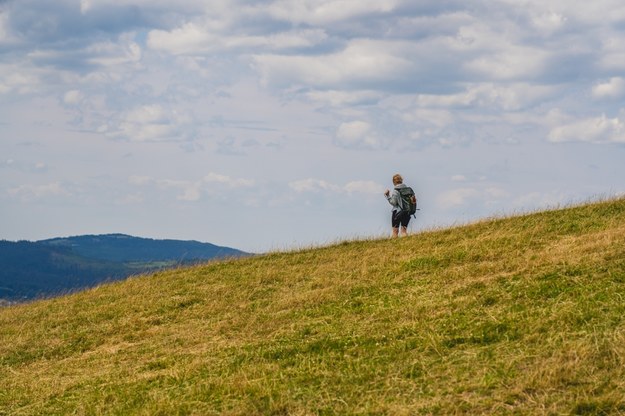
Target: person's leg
395 221
404 220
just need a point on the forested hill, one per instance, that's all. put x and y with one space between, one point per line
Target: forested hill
124 248
51 267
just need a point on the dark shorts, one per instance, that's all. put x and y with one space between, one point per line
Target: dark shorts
400 218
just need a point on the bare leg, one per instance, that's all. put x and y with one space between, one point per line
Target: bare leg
404 231
395 232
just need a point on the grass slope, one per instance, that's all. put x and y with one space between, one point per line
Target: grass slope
523 315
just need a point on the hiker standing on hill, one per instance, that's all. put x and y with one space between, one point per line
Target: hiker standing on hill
404 205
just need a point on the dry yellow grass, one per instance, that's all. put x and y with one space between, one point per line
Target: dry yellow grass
521 315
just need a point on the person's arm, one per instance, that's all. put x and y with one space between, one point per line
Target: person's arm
391 197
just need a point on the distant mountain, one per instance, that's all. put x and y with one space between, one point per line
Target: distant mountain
30 270
126 248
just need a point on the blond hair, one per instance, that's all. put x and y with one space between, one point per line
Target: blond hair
397 179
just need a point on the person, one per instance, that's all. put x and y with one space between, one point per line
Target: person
400 215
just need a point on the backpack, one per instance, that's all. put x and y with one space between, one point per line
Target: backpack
409 200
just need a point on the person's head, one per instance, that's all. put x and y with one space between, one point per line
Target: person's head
397 179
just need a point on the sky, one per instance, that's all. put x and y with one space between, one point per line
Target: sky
278 124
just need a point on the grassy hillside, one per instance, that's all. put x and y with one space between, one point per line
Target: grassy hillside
523 315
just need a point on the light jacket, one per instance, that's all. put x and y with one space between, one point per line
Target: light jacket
394 198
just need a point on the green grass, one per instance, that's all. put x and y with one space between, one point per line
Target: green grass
520 315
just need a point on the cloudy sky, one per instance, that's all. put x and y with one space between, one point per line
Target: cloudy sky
275 124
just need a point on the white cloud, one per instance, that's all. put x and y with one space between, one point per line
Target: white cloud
85 5
515 62
139 180
339 98
19 79
149 123
589 13
614 88
193 38
594 130
322 12
363 187
30 192
216 177
313 185
357 134
5 36
437 117
191 190
493 194
455 197
188 6
548 23
612 57
361 62
190 38
131 199
504 96
73 97
353 130
350 188
495 50
123 51
223 179
292 39
149 114
467 196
